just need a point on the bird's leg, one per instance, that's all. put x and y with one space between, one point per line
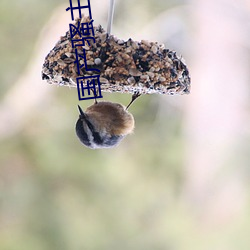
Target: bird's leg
134 97
94 93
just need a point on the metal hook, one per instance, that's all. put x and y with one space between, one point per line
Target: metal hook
110 15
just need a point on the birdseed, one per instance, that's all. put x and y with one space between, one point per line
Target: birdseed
125 66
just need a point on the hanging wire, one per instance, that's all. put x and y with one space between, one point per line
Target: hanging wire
110 15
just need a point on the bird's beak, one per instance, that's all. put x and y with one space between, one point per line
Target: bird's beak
82 115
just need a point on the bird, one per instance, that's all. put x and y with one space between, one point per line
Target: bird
104 124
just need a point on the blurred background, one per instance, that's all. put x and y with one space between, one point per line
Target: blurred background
180 182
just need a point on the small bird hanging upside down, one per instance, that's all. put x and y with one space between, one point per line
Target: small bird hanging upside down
104 124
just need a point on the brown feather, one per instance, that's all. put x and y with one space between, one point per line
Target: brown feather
111 117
